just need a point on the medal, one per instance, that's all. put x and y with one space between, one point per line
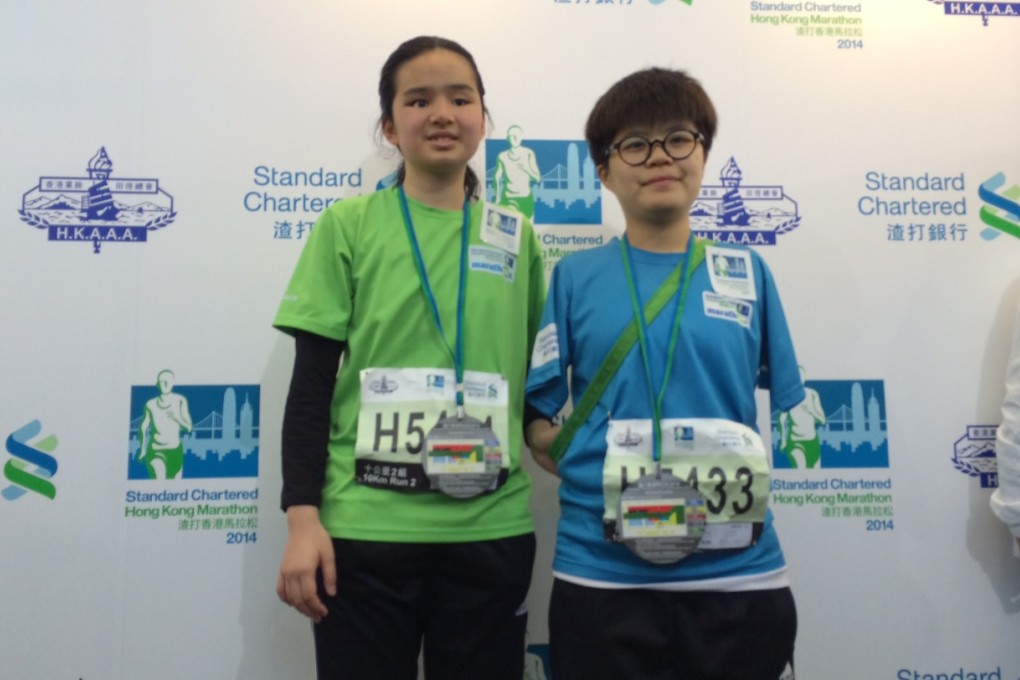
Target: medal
462 457
661 518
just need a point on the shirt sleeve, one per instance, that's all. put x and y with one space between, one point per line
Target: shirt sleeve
778 369
320 295
1005 501
306 418
547 388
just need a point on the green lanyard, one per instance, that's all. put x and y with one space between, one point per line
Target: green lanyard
584 406
639 319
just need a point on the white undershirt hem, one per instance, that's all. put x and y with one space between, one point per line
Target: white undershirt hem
769 580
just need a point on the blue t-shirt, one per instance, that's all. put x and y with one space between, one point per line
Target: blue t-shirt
719 362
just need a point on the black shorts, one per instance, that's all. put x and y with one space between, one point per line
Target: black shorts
465 600
598 633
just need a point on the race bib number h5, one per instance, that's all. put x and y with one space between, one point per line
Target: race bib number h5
401 406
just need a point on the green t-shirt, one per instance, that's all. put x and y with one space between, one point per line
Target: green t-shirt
356 282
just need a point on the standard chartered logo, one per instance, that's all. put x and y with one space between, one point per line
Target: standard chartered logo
31 466
1001 211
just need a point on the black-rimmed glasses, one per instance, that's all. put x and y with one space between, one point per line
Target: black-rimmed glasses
678 145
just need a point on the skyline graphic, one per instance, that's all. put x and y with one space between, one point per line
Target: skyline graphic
223 440
854 432
569 191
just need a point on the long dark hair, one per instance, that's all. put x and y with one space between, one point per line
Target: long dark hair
388 89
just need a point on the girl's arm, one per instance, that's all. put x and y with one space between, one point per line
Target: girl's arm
306 422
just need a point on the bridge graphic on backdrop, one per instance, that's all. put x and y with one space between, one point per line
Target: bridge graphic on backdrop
569 191
854 433
224 440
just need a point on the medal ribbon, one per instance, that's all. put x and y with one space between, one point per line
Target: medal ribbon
457 352
683 287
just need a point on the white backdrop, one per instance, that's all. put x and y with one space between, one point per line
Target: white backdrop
111 576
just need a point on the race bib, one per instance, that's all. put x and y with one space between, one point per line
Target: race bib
723 461
400 407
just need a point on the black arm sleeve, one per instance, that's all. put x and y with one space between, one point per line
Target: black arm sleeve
306 418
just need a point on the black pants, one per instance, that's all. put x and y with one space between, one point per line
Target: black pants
466 600
637 634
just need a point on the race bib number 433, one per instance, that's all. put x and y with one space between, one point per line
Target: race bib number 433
723 460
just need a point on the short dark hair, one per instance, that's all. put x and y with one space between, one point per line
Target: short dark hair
407 51
653 96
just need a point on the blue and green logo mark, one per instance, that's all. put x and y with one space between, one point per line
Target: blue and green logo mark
31 467
1001 211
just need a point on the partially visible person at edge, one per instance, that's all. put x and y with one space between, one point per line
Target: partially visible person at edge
407 510
1006 499
667 563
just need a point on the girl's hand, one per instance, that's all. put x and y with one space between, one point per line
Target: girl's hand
309 549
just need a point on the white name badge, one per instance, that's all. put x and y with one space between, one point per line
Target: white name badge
730 272
728 309
501 227
492 261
